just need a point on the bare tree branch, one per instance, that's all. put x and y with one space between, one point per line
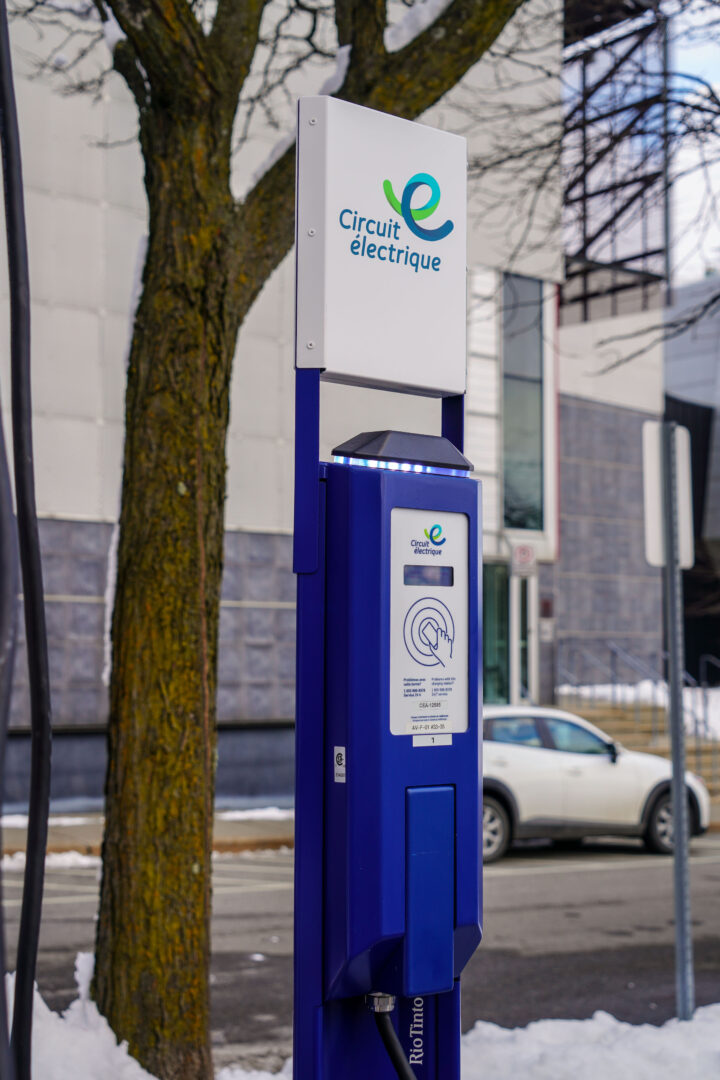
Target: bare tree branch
234 37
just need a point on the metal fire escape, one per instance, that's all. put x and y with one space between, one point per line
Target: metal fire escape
615 158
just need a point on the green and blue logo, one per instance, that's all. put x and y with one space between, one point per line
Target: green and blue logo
433 534
412 215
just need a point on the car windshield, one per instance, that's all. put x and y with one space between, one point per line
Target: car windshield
573 739
516 729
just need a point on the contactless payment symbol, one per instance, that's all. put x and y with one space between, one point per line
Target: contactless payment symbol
412 215
429 632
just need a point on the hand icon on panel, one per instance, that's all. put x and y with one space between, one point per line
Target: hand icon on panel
440 642
429 632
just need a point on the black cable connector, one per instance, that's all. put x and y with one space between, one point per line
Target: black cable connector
29 546
382 1006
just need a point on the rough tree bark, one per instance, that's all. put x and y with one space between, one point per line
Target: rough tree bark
207 260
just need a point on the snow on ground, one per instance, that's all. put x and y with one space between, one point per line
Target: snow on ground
233 1072
20 821
255 813
79 1045
592 1049
261 813
596 1049
700 705
54 860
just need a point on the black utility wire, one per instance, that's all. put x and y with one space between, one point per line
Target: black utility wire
393 1046
29 558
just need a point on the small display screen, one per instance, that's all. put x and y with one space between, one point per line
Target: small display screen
428 575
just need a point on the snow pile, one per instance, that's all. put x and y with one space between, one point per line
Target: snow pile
700 705
596 1049
79 1045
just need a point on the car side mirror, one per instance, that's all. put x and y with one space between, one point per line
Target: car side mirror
612 751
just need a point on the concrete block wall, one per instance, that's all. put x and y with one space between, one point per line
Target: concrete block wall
601 589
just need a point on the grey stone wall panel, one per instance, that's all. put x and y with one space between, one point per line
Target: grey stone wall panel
603 589
256 663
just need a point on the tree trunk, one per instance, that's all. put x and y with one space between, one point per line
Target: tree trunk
153 935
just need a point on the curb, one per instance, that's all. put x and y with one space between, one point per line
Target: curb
224 847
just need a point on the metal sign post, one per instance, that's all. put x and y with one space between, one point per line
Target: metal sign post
669 543
684 975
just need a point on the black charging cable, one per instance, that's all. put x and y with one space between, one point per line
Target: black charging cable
9 579
382 1005
29 546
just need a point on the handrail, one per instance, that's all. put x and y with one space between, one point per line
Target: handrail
636 665
645 671
688 679
564 676
696 719
594 660
705 659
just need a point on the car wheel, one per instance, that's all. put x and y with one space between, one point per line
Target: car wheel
496 830
659 835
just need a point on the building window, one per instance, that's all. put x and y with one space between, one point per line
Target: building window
522 402
496 670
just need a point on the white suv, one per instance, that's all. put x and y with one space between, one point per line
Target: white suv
552 774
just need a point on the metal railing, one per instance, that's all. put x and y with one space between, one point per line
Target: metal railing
707 661
646 672
587 678
582 690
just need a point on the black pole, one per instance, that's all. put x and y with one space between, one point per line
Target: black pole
30 560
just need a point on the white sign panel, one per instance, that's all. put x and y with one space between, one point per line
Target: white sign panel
428 623
380 249
653 495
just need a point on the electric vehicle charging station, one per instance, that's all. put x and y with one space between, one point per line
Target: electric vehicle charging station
387 549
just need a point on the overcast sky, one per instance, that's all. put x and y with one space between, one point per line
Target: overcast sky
695 213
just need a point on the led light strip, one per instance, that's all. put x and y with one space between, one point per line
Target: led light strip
399 466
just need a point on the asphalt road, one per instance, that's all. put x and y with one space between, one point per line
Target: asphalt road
566 933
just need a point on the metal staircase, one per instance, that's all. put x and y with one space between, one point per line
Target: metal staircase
626 697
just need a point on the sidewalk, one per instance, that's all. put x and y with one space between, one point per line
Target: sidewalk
83 832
